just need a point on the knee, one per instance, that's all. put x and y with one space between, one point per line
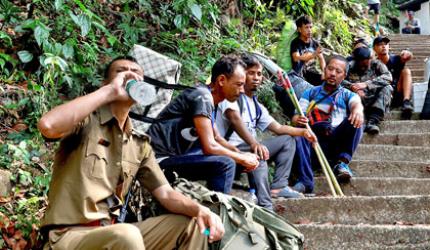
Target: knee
127 236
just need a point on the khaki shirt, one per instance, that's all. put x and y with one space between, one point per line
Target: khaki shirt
95 162
376 76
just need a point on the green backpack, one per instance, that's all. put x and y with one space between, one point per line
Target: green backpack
247 226
283 50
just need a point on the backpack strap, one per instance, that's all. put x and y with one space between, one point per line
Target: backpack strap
230 129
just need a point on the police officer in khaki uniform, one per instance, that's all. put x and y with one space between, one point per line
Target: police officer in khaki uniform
99 155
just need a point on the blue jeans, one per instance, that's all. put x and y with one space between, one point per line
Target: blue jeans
340 144
217 170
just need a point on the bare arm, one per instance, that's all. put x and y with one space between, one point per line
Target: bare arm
357 116
223 142
211 147
321 59
61 120
288 130
236 122
178 203
305 57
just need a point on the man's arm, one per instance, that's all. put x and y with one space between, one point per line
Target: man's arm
382 79
236 122
210 146
61 120
321 59
305 57
279 129
178 203
223 142
357 116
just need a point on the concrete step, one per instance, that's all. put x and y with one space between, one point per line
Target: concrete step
376 186
406 126
417 139
356 209
404 169
392 153
397 115
358 237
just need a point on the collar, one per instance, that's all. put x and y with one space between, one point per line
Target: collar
336 89
105 115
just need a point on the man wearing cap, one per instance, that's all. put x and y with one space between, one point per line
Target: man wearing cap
412 25
402 78
371 80
360 42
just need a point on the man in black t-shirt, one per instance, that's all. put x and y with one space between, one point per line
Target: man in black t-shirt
304 51
185 140
402 77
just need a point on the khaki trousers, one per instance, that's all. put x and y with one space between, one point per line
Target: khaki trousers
161 232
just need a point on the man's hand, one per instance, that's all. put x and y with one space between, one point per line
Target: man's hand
356 118
207 219
249 161
261 151
405 56
309 135
118 85
302 120
361 93
358 86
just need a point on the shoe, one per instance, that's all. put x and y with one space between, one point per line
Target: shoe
343 172
299 187
287 192
372 127
407 109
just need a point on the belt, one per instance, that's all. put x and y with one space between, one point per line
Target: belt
96 223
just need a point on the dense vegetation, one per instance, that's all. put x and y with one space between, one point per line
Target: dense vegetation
51 51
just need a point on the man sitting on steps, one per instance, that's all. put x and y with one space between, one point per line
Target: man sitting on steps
238 121
402 77
371 80
336 116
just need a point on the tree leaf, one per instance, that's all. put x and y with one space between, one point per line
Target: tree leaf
59 4
25 56
197 11
41 34
85 24
178 21
68 51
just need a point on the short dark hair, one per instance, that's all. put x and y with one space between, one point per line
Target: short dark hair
339 58
226 65
250 60
124 57
303 20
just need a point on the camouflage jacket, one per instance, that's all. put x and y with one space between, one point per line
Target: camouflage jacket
376 76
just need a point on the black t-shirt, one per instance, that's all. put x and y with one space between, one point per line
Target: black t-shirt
297 45
174 133
395 66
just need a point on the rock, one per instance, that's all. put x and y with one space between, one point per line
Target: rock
5 184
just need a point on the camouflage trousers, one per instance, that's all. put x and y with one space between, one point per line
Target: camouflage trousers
378 100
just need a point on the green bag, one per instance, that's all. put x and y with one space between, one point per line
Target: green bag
283 50
247 226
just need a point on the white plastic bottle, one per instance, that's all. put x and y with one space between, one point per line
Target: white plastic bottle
141 92
426 69
253 196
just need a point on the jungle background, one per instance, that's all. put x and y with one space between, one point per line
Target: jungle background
52 51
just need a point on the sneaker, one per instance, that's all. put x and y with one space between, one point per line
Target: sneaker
343 172
299 187
407 109
372 127
287 192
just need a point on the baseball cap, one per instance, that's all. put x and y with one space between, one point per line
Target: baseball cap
360 40
380 39
362 53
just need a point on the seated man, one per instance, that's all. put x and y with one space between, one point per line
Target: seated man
245 116
371 80
360 42
402 78
184 136
336 116
412 25
304 51
99 156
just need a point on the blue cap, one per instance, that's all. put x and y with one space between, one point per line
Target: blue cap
362 53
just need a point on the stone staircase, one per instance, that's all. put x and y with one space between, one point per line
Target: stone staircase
387 204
